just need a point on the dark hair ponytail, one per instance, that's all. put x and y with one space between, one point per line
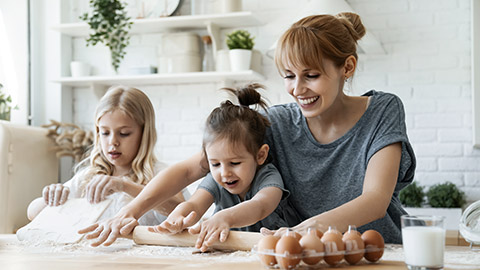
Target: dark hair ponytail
239 123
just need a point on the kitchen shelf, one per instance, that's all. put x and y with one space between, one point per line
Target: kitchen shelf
158 79
156 25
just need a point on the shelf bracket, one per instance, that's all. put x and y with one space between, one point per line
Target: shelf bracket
214 32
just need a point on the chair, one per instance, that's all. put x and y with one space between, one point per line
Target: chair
27 164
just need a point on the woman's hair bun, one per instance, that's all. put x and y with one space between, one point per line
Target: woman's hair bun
353 23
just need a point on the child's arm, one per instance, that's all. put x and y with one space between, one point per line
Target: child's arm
246 213
186 214
102 186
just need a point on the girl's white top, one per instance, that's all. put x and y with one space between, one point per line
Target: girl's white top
120 199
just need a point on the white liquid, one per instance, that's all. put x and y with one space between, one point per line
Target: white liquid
423 246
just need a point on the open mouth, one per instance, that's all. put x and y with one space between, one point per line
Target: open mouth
307 101
231 183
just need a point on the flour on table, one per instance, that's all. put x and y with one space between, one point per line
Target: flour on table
60 223
127 247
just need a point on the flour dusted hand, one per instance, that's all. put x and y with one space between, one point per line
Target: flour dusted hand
210 231
102 186
175 223
55 194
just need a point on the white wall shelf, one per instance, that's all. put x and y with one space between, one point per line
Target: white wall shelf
156 25
158 79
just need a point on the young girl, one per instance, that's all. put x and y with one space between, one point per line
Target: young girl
343 158
121 161
243 187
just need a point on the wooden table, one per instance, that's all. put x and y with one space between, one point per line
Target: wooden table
124 254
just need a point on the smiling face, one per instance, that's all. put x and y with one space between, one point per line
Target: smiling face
232 166
315 91
120 138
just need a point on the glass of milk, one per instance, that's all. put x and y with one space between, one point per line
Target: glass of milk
423 241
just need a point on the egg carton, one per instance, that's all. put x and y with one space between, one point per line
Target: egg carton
312 254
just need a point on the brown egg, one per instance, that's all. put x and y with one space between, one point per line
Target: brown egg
288 251
267 245
354 246
311 245
374 245
334 247
312 230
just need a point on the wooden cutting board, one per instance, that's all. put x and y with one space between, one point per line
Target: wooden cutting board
236 240
61 223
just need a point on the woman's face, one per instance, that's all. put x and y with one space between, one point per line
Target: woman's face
314 91
120 138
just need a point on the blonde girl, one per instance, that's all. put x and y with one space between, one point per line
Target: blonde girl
121 162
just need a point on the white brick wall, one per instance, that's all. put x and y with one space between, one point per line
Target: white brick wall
427 64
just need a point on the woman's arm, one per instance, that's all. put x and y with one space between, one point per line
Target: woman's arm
379 184
164 185
243 214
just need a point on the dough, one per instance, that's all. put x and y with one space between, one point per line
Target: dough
61 223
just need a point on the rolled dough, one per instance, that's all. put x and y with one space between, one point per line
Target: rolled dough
61 223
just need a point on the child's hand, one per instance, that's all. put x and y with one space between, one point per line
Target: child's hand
55 194
210 231
101 186
175 223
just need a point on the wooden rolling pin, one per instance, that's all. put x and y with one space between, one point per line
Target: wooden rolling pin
236 240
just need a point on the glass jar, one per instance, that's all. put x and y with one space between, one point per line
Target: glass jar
470 224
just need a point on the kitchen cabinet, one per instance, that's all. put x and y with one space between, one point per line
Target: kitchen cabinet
212 22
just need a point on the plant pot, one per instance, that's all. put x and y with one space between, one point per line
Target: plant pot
240 59
5 115
452 215
79 69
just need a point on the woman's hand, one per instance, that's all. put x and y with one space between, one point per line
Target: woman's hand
108 231
210 231
301 228
101 186
175 223
55 194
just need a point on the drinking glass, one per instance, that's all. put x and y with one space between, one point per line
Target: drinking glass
423 241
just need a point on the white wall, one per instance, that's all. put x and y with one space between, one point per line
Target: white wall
427 64
14 55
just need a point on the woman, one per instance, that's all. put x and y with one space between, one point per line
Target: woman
343 158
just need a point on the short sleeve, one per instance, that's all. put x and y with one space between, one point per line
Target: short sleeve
209 184
269 176
392 129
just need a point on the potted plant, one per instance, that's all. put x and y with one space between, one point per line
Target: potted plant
240 44
5 105
110 25
442 200
412 195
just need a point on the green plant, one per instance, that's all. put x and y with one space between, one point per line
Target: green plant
412 195
445 195
110 25
5 105
240 39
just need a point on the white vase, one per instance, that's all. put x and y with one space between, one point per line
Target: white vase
79 69
230 6
240 59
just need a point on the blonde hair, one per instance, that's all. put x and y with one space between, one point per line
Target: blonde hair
314 38
136 105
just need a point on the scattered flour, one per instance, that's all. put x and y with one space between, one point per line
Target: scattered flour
128 248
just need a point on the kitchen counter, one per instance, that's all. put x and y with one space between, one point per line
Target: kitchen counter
124 254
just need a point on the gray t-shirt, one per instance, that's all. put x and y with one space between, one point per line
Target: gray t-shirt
321 177
266 176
